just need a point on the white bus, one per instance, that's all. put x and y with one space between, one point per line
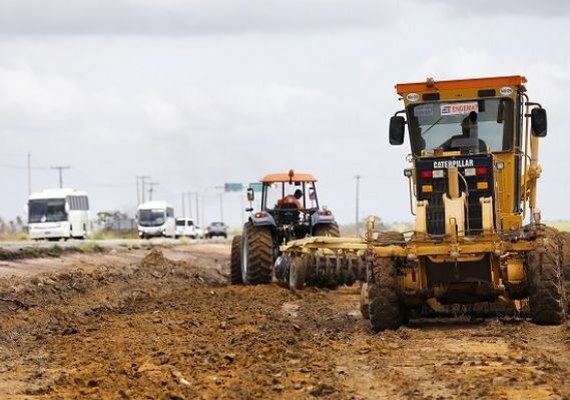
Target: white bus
58 214
155 218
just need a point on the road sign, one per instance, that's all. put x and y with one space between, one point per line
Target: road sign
233 187
256 186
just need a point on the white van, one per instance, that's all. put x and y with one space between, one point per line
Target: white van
155 218
186 227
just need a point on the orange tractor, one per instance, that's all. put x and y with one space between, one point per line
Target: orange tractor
289 209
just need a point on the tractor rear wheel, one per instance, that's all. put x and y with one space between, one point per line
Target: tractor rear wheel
256 254
327 230
547 296
235 261
385 309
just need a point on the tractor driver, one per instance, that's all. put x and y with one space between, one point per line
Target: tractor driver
292 199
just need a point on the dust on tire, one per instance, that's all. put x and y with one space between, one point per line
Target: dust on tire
384 308
547 296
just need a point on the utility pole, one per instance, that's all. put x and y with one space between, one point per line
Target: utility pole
29 173
142 178
183 206
151 189
356 220
61 168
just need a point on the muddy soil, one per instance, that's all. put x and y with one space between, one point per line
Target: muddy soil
164 324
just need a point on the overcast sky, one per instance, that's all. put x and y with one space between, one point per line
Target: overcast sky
199 93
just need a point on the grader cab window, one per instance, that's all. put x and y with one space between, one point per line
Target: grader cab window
434 125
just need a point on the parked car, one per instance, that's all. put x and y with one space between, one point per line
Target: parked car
186 227
216 229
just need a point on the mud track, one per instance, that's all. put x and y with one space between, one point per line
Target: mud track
165 324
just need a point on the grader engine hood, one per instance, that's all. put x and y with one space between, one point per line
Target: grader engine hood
475 182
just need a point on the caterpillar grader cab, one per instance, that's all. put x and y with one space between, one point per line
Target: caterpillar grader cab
478 237
289 209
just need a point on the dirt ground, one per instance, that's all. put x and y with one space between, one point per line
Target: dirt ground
164 324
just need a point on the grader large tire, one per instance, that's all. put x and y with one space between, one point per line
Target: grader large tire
385 309
235 261
547 296
327 230
256 255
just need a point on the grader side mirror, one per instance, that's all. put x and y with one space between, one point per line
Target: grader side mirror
250 195
397 125
538 122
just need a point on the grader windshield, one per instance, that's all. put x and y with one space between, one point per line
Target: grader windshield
433 125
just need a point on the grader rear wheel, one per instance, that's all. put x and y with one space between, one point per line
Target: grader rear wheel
235 261
385 309
256 255
547 296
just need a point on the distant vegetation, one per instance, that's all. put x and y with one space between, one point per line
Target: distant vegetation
13 230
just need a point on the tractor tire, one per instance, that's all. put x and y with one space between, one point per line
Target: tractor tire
297 274
327 230
385 309
256 255
235 261
547 295
364 302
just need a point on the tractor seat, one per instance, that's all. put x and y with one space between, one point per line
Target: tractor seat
287 214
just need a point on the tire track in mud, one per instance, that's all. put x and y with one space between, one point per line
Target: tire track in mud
457 359
167 329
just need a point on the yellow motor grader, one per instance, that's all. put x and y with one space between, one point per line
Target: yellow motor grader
478 237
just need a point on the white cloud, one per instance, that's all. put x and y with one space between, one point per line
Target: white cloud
177 91
492 8
175 17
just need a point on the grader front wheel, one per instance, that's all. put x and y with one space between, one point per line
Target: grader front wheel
547 297
385 309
